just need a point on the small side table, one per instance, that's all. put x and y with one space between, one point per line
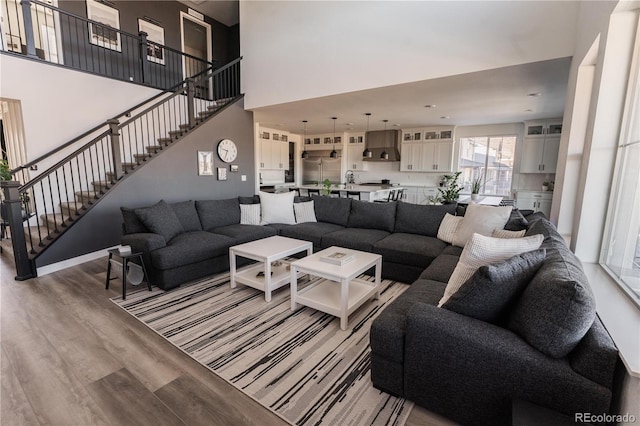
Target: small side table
125 261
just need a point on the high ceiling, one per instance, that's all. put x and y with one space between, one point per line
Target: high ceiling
486 97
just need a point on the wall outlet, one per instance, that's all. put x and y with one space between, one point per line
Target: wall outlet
243 178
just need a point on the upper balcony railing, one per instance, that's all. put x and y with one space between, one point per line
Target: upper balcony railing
39 30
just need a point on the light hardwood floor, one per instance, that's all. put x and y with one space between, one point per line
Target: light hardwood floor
69 356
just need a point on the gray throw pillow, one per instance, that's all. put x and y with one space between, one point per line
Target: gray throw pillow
516 221
557 308
491 291
160 219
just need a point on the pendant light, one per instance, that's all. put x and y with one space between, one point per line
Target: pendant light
384 155
305 154
334 153
366 153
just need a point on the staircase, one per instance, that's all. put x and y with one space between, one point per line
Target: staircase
52 202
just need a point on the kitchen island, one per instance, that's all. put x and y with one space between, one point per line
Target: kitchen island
367 192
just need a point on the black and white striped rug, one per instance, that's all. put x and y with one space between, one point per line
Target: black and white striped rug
298 364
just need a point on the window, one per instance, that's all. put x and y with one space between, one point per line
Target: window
621 248
489 158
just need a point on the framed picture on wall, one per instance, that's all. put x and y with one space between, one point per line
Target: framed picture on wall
105 34
155 40
205 163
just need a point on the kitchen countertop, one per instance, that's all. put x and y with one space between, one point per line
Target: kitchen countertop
352 187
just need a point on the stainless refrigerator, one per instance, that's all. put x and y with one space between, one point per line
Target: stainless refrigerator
319 167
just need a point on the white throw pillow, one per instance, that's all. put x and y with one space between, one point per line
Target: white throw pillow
305 212
504 233
250 214
277 208
448 227
482 220
481 251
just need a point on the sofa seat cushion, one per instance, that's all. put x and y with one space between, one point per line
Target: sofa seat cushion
388 329
354 238
441 268
310 231
191 247
217 213
409 249
245 233
421 219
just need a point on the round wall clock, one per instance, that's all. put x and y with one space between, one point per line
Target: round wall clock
227 150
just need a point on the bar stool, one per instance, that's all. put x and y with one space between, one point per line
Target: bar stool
354 194
390 197
311 192
296 190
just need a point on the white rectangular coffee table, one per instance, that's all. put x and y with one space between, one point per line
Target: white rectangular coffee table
265 251
339 293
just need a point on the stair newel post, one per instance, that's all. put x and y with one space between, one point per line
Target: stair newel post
24 266
116 153
190 102
146 78
28 28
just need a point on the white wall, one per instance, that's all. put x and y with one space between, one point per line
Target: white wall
306 49
58 104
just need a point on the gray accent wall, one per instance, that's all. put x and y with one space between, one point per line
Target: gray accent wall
171 176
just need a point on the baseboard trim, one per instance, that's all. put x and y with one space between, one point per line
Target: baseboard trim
75 261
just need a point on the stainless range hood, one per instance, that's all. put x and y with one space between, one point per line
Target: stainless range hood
383 140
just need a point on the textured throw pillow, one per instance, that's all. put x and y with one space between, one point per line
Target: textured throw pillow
481 251
493 289
161 219
304 212
277 208
516 221
448 227
131 221
250 214
503 233
482 220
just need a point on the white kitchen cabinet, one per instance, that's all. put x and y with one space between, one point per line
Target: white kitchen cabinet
354 157
418 194
274 155
540 146
427 149
535 200
411 157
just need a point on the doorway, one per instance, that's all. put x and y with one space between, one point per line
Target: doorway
196 41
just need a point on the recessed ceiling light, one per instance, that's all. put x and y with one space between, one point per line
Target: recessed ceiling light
534 94
430 106
349 124
396 125
445 117
528 110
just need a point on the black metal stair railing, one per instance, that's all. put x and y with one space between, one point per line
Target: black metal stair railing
41 31
48 204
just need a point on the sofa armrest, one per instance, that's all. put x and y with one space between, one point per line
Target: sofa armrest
471 370
596 355
144 242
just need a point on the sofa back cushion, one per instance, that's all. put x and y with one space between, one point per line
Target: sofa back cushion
419 219
187 215
252 199
368 215
557 308
332 210
516 221
217 213
160 219
131 222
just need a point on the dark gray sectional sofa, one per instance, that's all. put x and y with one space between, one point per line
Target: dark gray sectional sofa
465 369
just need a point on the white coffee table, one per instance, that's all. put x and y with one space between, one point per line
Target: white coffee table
339 293
265 251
